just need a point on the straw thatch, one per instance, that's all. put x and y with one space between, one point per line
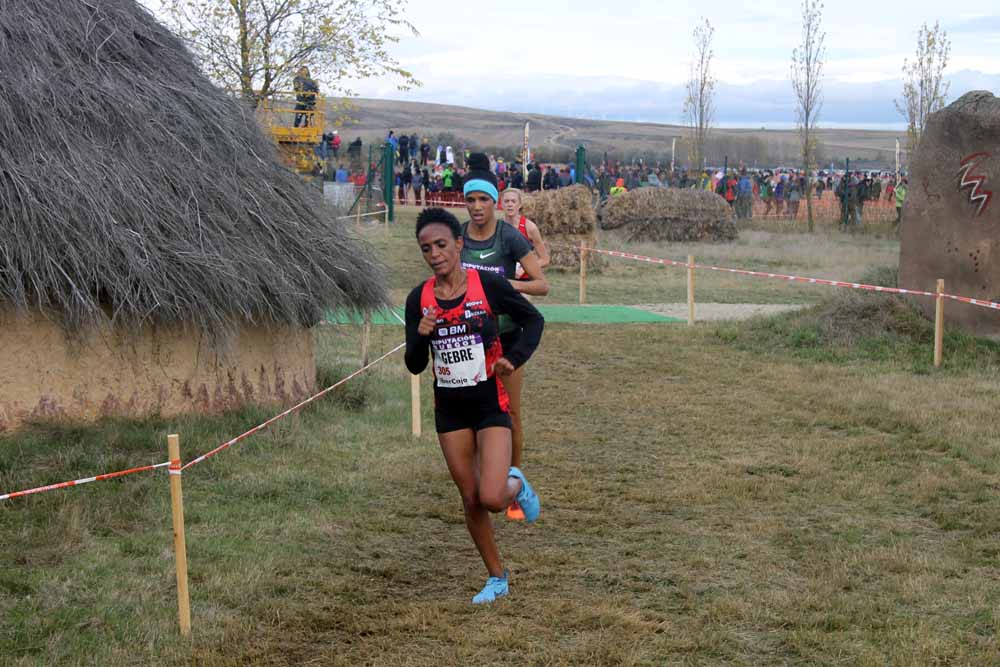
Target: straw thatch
564 217
669 214
132 187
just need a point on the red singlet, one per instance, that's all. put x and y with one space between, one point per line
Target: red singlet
465 343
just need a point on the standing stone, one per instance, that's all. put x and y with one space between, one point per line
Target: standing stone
951 223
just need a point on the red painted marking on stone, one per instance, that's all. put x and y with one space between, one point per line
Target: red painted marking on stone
974 181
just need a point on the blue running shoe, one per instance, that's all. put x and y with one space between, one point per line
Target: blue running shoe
496 587
526 498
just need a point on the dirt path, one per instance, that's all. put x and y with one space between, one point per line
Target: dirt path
720 311
564 131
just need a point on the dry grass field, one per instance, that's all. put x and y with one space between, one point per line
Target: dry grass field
373 118
770 492
767 245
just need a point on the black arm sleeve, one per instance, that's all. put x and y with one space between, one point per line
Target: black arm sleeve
417 347
505 300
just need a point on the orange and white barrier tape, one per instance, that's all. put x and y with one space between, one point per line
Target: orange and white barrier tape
294 408
781 276
85 480
363 215
175 467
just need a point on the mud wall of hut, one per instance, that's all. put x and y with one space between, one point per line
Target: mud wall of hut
166 371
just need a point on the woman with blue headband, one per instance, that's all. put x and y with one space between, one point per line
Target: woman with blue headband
492 246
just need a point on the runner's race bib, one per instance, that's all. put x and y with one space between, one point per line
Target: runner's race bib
459 361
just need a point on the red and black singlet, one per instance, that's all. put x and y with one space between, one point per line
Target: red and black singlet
465 343
487 297
522 226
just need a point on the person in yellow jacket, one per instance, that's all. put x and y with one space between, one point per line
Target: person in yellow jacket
619 188
900 194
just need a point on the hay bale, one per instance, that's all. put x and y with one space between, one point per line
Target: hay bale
564 217
669 214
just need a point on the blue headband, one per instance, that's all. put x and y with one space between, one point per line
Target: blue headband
481 185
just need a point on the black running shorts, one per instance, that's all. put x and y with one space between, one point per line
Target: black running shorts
474 408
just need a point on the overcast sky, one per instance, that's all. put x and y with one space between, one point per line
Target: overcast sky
652 40
593 59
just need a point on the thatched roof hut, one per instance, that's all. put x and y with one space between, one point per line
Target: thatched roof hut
128 180
136 195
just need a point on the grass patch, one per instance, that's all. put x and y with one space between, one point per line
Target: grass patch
708 498
702 504
861 327
354 395
87 571
767 245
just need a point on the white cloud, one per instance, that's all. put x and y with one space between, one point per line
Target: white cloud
547 56
652 40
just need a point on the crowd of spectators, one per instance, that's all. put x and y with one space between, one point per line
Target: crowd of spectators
777 193
424 173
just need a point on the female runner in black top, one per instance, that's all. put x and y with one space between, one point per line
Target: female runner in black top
491 245
453 316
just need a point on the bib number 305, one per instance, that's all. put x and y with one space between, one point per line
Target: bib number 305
459 361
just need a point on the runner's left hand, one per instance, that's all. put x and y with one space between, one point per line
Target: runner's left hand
503 367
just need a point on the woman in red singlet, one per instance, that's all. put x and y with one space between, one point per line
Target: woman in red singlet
512 202
452 317
514 383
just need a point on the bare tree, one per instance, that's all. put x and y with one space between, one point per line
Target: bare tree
924 88
807 81
699 105
256 46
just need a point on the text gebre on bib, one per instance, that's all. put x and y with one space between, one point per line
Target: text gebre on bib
459 361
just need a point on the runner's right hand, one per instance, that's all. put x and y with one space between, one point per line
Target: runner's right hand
427 322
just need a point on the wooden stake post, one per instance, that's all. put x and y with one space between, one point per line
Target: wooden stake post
939 325
180 546
690 290
415 405
366 339
583 272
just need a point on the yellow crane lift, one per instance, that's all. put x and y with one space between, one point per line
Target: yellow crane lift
296 130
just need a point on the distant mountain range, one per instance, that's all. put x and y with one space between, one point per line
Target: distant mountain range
767 103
